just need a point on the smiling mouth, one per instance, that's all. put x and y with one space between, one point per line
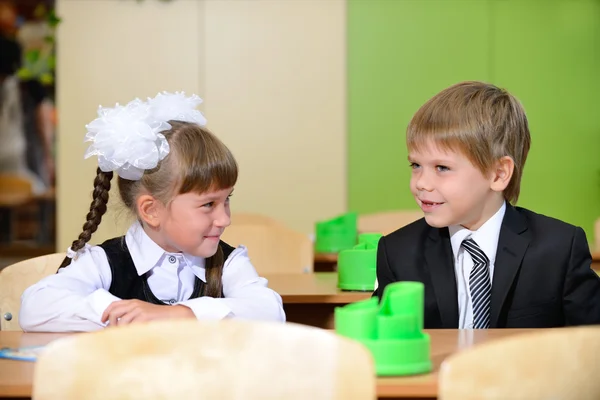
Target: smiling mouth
430 203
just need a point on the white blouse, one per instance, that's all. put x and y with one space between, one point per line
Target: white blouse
75 298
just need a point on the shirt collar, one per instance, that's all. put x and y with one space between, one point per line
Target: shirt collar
486 236
146 254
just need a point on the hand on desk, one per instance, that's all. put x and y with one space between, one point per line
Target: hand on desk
125 312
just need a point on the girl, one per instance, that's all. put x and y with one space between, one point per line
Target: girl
176 177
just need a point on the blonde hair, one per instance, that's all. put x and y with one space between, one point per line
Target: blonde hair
197 162
480 120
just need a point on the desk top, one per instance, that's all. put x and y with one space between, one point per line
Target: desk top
320 287
326 257
16 377
444 343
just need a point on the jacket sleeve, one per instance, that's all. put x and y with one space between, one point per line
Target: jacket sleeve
581 297
385 276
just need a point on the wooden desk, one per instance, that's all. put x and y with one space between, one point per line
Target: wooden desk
310 299
444 342
325 262
326 257
16 377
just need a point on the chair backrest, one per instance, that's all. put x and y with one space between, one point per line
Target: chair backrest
546 364
14 189
190 359
387 222
273 248
15 278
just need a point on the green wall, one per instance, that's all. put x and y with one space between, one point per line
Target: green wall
547 53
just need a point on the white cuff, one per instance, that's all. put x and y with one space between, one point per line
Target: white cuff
208 308
100 300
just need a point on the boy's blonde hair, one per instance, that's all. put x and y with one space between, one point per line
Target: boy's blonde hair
480 120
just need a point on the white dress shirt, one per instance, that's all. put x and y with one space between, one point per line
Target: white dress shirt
486 238
75 298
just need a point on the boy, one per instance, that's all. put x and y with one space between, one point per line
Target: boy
484 262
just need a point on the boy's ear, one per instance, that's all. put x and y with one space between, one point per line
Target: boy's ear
502 173
149 210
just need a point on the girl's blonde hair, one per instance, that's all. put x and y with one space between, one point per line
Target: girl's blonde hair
197 162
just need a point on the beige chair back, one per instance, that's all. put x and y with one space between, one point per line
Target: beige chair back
387 222
190 359
273 248
546 364
15 278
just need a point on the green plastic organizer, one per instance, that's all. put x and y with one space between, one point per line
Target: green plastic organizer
369 237
357 266
336 234
392 330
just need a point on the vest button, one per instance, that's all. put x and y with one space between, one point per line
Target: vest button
172 259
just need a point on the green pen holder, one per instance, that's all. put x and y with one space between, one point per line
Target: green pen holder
336 234
369 237
357 267
392 330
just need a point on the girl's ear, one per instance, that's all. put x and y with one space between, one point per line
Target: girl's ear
502 173
149 210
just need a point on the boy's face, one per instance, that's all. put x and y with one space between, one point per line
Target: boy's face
450 189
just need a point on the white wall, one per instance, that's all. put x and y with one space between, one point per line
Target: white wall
271 73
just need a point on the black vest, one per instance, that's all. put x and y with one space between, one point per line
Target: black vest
127 284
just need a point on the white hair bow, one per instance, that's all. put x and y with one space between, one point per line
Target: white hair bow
127 139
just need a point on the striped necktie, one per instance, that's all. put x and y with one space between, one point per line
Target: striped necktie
479 285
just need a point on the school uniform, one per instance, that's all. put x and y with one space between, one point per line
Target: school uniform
135 267
539 271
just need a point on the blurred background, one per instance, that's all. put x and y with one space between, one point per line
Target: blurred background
312 96
27 128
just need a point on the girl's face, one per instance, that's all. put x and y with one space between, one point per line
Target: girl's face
193 223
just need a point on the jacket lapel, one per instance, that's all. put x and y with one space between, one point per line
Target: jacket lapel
512 244
440 262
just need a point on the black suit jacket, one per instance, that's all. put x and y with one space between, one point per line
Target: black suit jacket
542 273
